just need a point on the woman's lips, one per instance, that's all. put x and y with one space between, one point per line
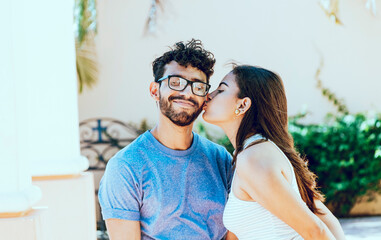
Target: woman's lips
205 106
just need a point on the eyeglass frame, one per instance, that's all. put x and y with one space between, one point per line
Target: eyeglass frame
188 82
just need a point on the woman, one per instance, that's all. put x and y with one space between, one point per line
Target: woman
273 194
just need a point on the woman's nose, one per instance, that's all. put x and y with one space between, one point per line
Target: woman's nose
208 97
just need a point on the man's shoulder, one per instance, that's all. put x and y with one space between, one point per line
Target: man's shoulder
132 153
217 154
212 147
139 144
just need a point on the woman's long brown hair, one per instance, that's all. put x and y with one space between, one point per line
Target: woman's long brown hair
268 117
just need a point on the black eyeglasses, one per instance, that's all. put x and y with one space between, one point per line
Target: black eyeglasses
178 83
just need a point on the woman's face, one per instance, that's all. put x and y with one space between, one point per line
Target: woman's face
222 102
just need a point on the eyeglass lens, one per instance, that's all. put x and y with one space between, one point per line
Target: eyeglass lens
177 83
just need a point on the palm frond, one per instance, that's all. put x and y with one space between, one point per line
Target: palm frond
331 9
150 26
86 62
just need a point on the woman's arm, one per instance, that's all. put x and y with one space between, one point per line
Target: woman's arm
260 176
330 220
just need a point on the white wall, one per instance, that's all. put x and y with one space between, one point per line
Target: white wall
289 37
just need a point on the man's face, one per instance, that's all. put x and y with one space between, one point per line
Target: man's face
181 107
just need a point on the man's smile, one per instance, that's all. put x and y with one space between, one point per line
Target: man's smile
184 103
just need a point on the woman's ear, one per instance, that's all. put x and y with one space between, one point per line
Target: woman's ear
244 104
154 90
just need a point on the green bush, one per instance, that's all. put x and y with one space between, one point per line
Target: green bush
224 141
344 152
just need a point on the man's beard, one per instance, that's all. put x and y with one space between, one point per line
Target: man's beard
182 118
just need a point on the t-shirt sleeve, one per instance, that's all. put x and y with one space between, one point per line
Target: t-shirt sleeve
119 191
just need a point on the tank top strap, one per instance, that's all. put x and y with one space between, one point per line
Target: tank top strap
257 137
252 139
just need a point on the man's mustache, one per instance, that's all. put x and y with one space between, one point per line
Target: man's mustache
183 98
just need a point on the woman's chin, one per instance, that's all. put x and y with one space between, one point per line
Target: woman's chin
207 118
204 117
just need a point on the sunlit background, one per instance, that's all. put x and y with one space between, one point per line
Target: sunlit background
74 90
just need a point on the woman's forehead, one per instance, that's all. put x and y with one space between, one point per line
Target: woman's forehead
229 79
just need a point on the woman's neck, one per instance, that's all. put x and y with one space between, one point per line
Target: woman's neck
231 130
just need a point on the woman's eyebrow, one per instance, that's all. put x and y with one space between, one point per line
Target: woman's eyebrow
223 83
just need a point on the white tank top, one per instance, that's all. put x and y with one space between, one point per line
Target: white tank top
249 220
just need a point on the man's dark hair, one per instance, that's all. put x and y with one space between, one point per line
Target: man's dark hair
191 53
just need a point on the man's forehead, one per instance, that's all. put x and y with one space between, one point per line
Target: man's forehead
189 72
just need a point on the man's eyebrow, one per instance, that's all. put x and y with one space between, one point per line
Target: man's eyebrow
193 79
197 80
223 83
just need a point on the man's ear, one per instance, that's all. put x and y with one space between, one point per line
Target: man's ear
154 90
244 104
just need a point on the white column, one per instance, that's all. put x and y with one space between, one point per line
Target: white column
52 89
54 148
33 226
17 194
39 133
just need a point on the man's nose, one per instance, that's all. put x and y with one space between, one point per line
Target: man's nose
187 90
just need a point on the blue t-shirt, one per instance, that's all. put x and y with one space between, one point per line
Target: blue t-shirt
174 194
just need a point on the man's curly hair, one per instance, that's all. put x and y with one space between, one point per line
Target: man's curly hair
191 53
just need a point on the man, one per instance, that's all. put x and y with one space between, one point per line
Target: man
170 183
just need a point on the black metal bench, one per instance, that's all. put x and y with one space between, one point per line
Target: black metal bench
101 138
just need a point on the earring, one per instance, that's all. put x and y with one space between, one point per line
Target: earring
237 112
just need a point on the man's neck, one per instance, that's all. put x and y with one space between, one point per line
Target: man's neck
171 135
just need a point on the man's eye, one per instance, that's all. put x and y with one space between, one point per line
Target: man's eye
198 87
176 83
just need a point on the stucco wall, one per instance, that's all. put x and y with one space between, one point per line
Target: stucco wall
289 37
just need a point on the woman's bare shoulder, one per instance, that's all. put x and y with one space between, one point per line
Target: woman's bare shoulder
261 158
